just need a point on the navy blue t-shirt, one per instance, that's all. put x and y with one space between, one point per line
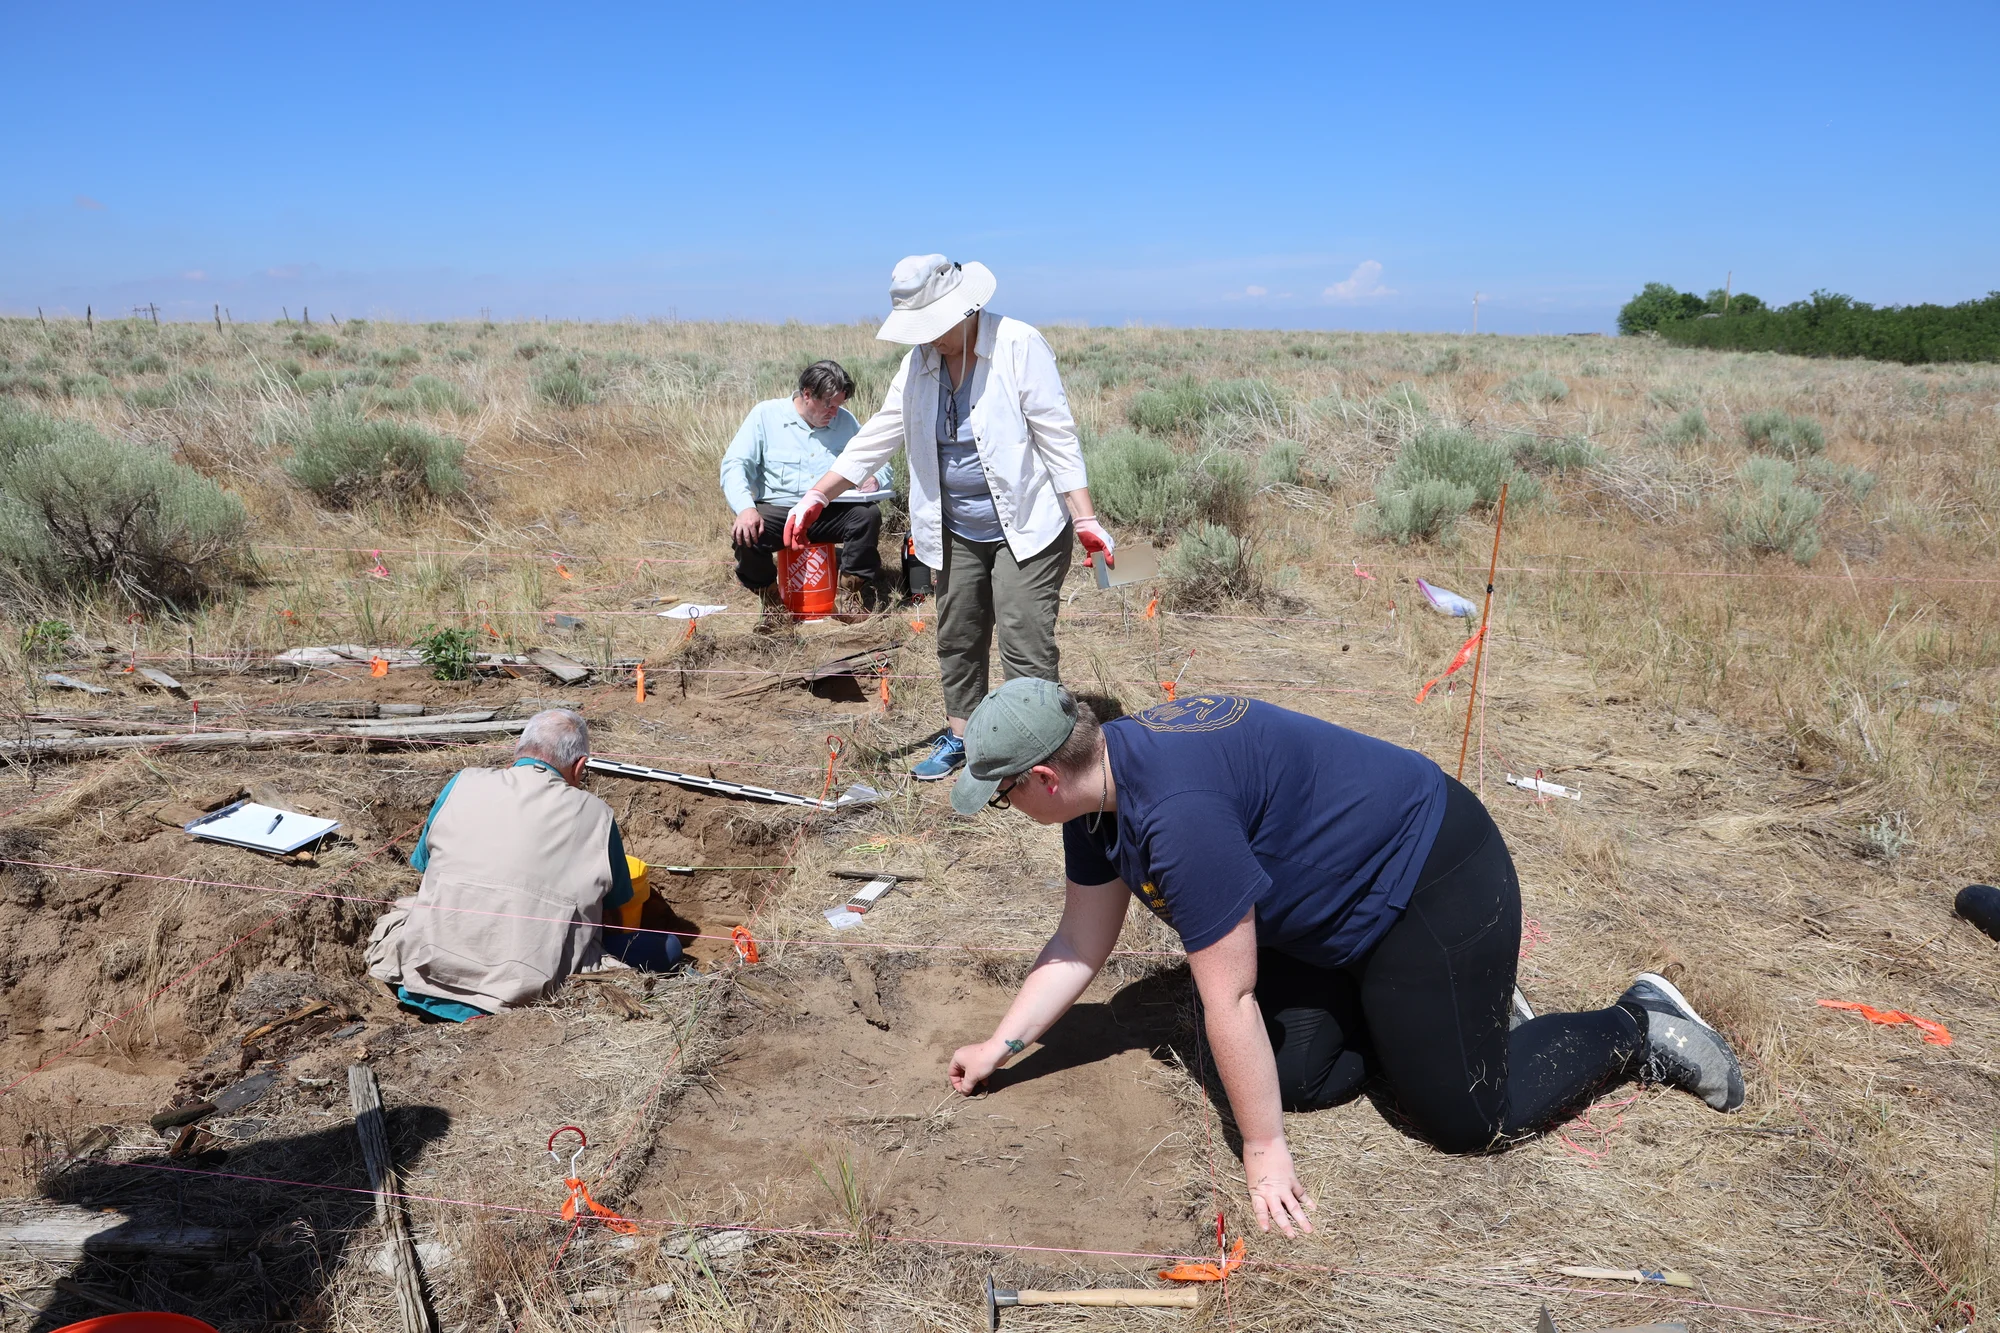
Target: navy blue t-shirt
1225 803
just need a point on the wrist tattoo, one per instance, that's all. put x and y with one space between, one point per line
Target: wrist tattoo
1013 1047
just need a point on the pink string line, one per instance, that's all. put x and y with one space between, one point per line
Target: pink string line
569 558
240 940
566 922
816 1233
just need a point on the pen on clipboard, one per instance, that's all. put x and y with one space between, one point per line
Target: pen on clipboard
274 825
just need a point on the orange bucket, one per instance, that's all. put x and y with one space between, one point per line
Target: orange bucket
139 1323
805 581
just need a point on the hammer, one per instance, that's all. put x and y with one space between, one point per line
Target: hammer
996 1297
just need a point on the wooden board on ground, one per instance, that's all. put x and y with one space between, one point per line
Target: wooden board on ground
65 1233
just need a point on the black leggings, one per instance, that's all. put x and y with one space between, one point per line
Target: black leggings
1427 1009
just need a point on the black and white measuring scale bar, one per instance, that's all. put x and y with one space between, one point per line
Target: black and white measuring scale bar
858 794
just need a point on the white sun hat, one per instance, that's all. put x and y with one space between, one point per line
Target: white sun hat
928 294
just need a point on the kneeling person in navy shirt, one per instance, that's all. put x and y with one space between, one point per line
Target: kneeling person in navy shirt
1349 911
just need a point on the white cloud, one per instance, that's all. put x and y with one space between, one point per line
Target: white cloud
1256 291
1360 285
195 275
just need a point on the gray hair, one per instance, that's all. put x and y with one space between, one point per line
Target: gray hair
556 734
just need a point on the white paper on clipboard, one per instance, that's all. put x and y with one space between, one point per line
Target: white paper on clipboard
261 828
1135 564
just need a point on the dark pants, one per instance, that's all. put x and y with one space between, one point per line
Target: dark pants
853 527
647 950
1426 1011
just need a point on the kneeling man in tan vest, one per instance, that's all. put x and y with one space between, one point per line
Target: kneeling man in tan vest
520 867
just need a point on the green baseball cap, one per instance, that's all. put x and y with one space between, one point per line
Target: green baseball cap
1014 728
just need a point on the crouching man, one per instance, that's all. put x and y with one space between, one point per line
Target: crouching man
782 447
521 867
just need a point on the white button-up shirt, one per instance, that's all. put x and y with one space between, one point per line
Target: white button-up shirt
1021 424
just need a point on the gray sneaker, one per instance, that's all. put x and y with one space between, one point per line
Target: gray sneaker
1681 1049
1522 1012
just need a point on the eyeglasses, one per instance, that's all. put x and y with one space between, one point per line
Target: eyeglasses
999 801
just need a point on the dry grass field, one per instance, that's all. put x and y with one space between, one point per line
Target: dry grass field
1787 760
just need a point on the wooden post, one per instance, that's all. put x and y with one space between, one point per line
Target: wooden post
44 318
218 319
154 309
1727 283
89 325
1479 657
364 1094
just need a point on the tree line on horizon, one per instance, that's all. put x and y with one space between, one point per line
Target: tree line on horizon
1824 324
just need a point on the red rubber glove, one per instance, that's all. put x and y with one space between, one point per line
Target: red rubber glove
1095 541
804 514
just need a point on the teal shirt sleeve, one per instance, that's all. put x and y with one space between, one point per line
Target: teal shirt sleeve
620 892
420 859
743 463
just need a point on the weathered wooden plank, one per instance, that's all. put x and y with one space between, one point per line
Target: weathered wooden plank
364 1094
565 669
65 1233
62 682
425 729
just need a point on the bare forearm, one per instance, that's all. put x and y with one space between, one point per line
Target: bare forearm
833 484
1248 1070
1079 504
1053 985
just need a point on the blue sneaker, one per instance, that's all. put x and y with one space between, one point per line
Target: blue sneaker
947 756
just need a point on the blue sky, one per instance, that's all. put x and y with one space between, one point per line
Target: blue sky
1312 167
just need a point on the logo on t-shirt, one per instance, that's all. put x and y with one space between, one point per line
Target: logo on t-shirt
1197 712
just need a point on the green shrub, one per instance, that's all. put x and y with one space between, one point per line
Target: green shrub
1772 513
1442 473
1856 483
1312 351
436 395
346 460
1280 465
315 345
461 355
80 511
1537 386
533 348
44 640
449 653
1185 403
1779 433
1142 482
149 398
1403 403
402 356
85 386
1687 430
565 386
1180 406
1657 304
1420 511
1567 454
1210 566
147 363
1447 362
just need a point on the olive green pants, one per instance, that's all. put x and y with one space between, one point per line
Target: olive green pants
981 588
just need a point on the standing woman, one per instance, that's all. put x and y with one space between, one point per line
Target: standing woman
997 481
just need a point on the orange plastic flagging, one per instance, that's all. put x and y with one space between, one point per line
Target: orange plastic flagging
1152 608
564 572
1935 1033
1170 687
579 1193
1206 1272
745 942
378 666
1464 656
882 686
639 691
916 627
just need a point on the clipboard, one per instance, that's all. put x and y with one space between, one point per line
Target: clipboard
261 828
1134 564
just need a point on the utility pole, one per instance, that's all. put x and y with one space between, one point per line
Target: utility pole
1727 283
1475 310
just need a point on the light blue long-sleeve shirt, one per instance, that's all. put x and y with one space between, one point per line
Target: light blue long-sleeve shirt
776 457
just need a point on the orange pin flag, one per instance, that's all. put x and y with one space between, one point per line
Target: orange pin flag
639 694
1169 686
1206 1272
882 686
564 572
1152 608
378 666
1464 656
745 942
916 627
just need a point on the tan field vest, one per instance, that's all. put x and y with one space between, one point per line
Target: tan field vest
513 897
